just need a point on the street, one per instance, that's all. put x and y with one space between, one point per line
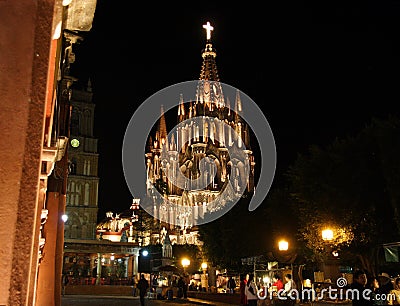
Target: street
85 300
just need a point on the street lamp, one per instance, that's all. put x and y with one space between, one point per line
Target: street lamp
204 276
64 217
327 234
327 237
185 263
283 245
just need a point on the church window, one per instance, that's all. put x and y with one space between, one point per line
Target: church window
72 166
75 121
86 200
74 232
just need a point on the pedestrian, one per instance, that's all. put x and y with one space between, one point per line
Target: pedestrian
290 289
385 283
242 289
394 295
359 286
185 287
133 284
251 291
181 285
231 285
376 296
142 285
64 282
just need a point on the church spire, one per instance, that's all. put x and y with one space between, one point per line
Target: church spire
209 70
162 126
209 89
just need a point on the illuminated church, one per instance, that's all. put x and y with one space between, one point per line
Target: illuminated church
207 130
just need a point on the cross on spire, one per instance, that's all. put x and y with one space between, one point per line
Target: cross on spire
208 28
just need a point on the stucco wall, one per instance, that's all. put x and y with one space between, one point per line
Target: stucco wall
25 35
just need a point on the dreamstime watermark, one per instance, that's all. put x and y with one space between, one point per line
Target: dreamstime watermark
148 114
334 294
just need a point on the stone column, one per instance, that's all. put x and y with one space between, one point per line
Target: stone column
24 64
98 278
126 263
135 262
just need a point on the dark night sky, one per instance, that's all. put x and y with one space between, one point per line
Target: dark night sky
318 71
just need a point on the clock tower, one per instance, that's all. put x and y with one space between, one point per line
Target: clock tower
83 180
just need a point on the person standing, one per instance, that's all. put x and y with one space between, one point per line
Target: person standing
142 285
181 285
231 285
185 287
64 282
394 295
134 285
251 291
290 289
385 283
242 287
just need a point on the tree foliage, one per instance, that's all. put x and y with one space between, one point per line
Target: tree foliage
350 186
237 234
189 251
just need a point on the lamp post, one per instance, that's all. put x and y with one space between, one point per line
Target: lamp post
204 276
185 263
327 236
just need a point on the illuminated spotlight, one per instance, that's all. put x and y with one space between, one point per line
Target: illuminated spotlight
145 253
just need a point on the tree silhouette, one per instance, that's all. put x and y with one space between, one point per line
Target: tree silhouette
350 186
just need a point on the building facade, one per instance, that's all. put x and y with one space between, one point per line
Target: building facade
191 167
90 258
83 180
35 129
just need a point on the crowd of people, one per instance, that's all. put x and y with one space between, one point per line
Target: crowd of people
251 295
366 290
375 290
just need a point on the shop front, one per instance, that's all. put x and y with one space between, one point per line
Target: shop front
103 262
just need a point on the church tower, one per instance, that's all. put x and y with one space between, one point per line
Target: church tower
210 129
83 180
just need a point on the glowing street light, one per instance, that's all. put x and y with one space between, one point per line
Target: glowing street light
283 245
204 277
327 234
64 217
185 262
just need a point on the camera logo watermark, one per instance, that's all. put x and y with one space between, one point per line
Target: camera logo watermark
141 125
341 282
